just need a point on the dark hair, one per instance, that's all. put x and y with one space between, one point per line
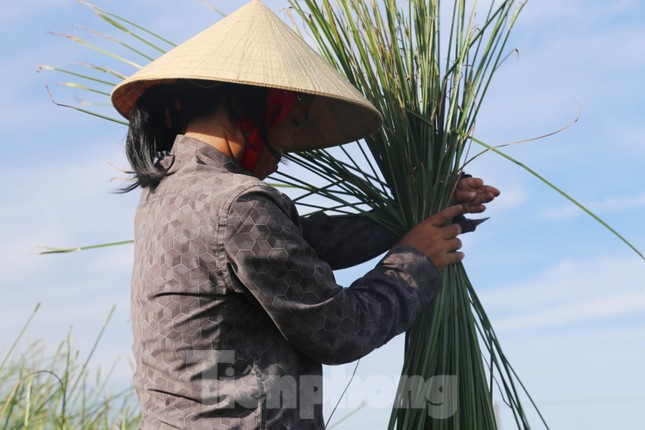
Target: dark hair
156 120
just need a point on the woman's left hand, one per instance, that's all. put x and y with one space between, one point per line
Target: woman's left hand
472 193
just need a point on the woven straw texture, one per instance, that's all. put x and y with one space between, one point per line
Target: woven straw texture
253 46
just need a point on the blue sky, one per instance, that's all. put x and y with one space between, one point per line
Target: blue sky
566 297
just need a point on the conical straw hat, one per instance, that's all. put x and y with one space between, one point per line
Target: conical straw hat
253 46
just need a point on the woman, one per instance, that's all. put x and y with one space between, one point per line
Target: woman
234 302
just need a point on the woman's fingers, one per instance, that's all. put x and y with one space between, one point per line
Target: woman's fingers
451 231
436 240
473 193
450 254
439 241
440 218
452 258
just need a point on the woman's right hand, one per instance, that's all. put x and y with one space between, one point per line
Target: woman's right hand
438 242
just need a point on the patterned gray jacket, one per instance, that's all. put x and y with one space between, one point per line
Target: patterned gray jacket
235 305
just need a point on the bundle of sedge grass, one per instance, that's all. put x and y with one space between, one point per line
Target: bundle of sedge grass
428 79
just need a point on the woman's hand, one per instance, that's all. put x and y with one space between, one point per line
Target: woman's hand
438 242
472 193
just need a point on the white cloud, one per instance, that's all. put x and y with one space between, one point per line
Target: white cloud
569 293
609 205
573 313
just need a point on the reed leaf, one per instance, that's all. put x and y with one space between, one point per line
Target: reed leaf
562 193
98 49
38 391
116 21
78 75
51 250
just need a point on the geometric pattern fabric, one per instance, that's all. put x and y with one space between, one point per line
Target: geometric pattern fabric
234 301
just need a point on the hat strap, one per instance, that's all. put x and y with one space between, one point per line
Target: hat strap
279 104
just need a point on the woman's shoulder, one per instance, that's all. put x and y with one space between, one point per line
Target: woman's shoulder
224 189
266 196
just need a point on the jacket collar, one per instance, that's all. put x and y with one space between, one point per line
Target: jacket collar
185 149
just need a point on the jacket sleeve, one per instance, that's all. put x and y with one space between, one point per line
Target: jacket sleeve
346 240
269 260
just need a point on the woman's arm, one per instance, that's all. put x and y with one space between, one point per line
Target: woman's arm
268 259
346 240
